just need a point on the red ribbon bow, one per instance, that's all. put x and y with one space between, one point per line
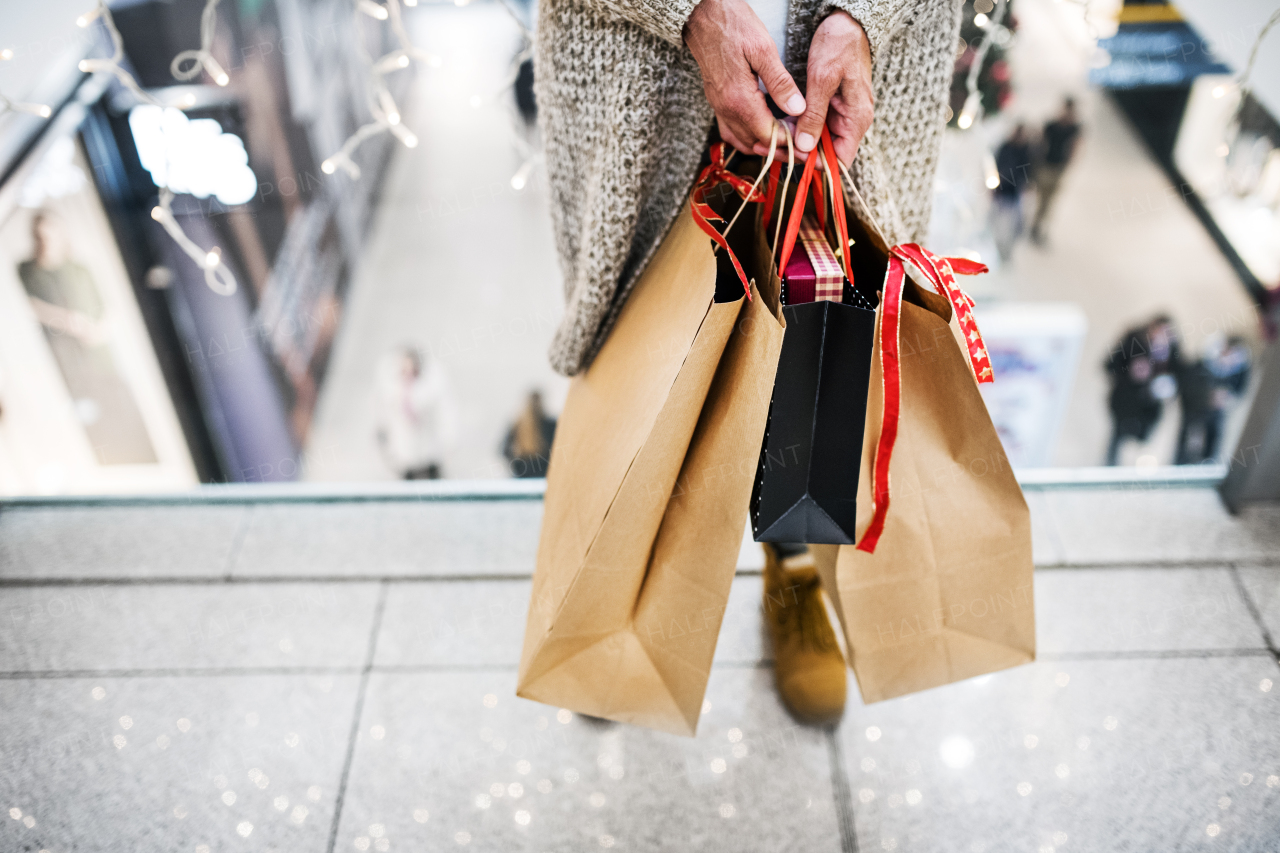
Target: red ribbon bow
941 273
712 176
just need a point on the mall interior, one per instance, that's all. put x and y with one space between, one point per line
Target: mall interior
278 280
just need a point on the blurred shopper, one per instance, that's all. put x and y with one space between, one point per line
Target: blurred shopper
528 443
1142 367
416 414
1207 389
1013 164
1059 146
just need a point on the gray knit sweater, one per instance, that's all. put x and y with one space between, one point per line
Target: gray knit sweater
625 122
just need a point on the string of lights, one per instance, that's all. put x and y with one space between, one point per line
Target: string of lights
1242 82
9 105
216 274
1253 52
189 63
111 64
382 106
971 112
532 157
513 72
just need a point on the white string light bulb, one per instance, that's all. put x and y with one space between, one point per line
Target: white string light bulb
41 110
969 112
189 63
521 177
6 105
89 17
387 117
216 275
373 10
990 171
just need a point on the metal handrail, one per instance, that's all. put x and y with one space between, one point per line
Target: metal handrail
1031 479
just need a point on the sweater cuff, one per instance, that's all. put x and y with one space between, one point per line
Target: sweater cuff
663 18
880 19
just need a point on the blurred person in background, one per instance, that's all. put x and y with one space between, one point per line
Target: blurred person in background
1142 366
527 447
417 421
70 308
1058 146
1207 389
1013 164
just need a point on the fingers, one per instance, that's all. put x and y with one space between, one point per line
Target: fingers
824 79
728 134
743 113
764 59
839 91
849 118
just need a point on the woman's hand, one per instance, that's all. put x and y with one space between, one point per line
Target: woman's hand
733 48
839 74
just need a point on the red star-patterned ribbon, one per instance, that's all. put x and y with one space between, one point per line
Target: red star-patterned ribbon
941 273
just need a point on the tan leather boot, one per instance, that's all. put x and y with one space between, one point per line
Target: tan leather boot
808 666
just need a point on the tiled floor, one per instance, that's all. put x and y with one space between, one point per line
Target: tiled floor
309 678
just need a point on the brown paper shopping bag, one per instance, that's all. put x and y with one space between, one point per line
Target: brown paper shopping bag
647 492
939 586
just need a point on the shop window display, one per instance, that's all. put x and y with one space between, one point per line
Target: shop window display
84 404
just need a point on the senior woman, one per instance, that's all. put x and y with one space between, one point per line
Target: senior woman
628 91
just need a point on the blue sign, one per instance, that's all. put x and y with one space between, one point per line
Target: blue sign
1156 54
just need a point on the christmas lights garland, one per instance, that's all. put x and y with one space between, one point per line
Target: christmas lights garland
217 275
386 115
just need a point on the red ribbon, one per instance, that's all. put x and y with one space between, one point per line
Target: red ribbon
828 153
941 274
797 212
712 176
837 202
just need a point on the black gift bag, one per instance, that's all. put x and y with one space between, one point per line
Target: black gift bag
807 479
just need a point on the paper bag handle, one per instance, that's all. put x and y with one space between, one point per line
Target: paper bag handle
716 173
831 163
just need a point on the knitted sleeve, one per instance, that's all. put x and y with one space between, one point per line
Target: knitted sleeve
913 52
879 18
662 18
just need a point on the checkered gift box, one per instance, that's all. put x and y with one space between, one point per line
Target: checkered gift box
828 274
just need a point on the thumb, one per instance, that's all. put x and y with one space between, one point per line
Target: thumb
777 80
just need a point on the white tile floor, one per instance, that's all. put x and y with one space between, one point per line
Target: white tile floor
269 700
